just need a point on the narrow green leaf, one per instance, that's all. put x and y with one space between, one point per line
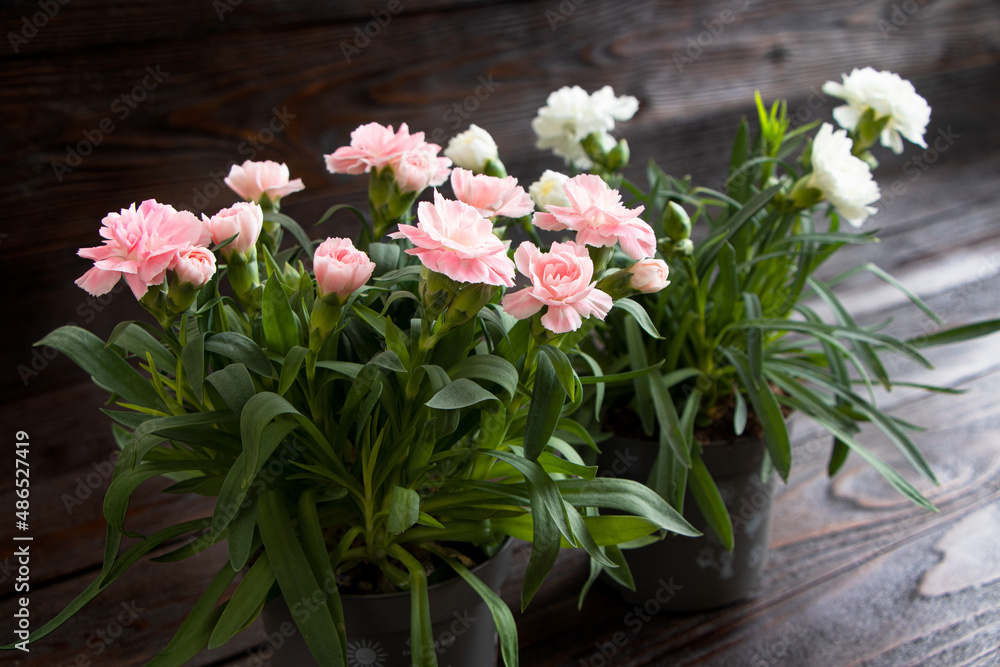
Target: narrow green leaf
765 406
280 328
640 315
544 409
193 634
239 348
193 358
246 602
709 500
461 393
103 364
957 334
234 384
296 579
290 368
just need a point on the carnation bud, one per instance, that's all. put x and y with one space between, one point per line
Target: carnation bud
649 275
676 223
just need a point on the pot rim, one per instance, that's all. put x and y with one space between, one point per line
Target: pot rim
505 543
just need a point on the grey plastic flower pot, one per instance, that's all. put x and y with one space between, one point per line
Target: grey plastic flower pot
378 626
697 573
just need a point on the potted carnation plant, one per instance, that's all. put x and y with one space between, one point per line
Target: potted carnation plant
372 430
737 336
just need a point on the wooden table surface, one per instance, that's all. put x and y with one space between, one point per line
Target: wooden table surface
856 576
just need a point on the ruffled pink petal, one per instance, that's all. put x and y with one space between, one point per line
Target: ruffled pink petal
594 304
138 286
293 186
548 222
520 304
561 319
98 281
525 254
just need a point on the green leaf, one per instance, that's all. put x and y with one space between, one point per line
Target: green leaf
404 510
318 555
625 496
765 406
296 579
193 634
260 411
544 409
193 358
421 633
739 413
957 334
837 457
103 364
488 368
235 386
640 315
290 368
280 328
239 535
502 616
628 375
563 367
461 393
239 348
288 223
709 500
135 339
755 338
643 384
246 603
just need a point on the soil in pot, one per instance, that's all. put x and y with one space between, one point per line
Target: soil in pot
378 625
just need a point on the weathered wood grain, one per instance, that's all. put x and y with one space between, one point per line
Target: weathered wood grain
857 575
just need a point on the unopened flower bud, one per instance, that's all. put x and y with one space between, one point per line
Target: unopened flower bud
649 275
676 222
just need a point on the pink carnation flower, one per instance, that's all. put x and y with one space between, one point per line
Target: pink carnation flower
340 267
253 179
491 196
599 218
140 245
244 219
453 239
194 265
418 169
374 146
561 279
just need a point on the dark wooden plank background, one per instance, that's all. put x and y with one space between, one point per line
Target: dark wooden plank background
856 575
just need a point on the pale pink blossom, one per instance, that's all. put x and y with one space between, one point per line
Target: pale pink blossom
491 196
649 275
561 281
140 245
194 265
251 180
453 239
416 170
244 219
374 146
340 268
599 218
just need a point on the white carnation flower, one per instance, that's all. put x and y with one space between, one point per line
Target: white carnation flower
472 149
570 114
888 95
845 181
549 190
